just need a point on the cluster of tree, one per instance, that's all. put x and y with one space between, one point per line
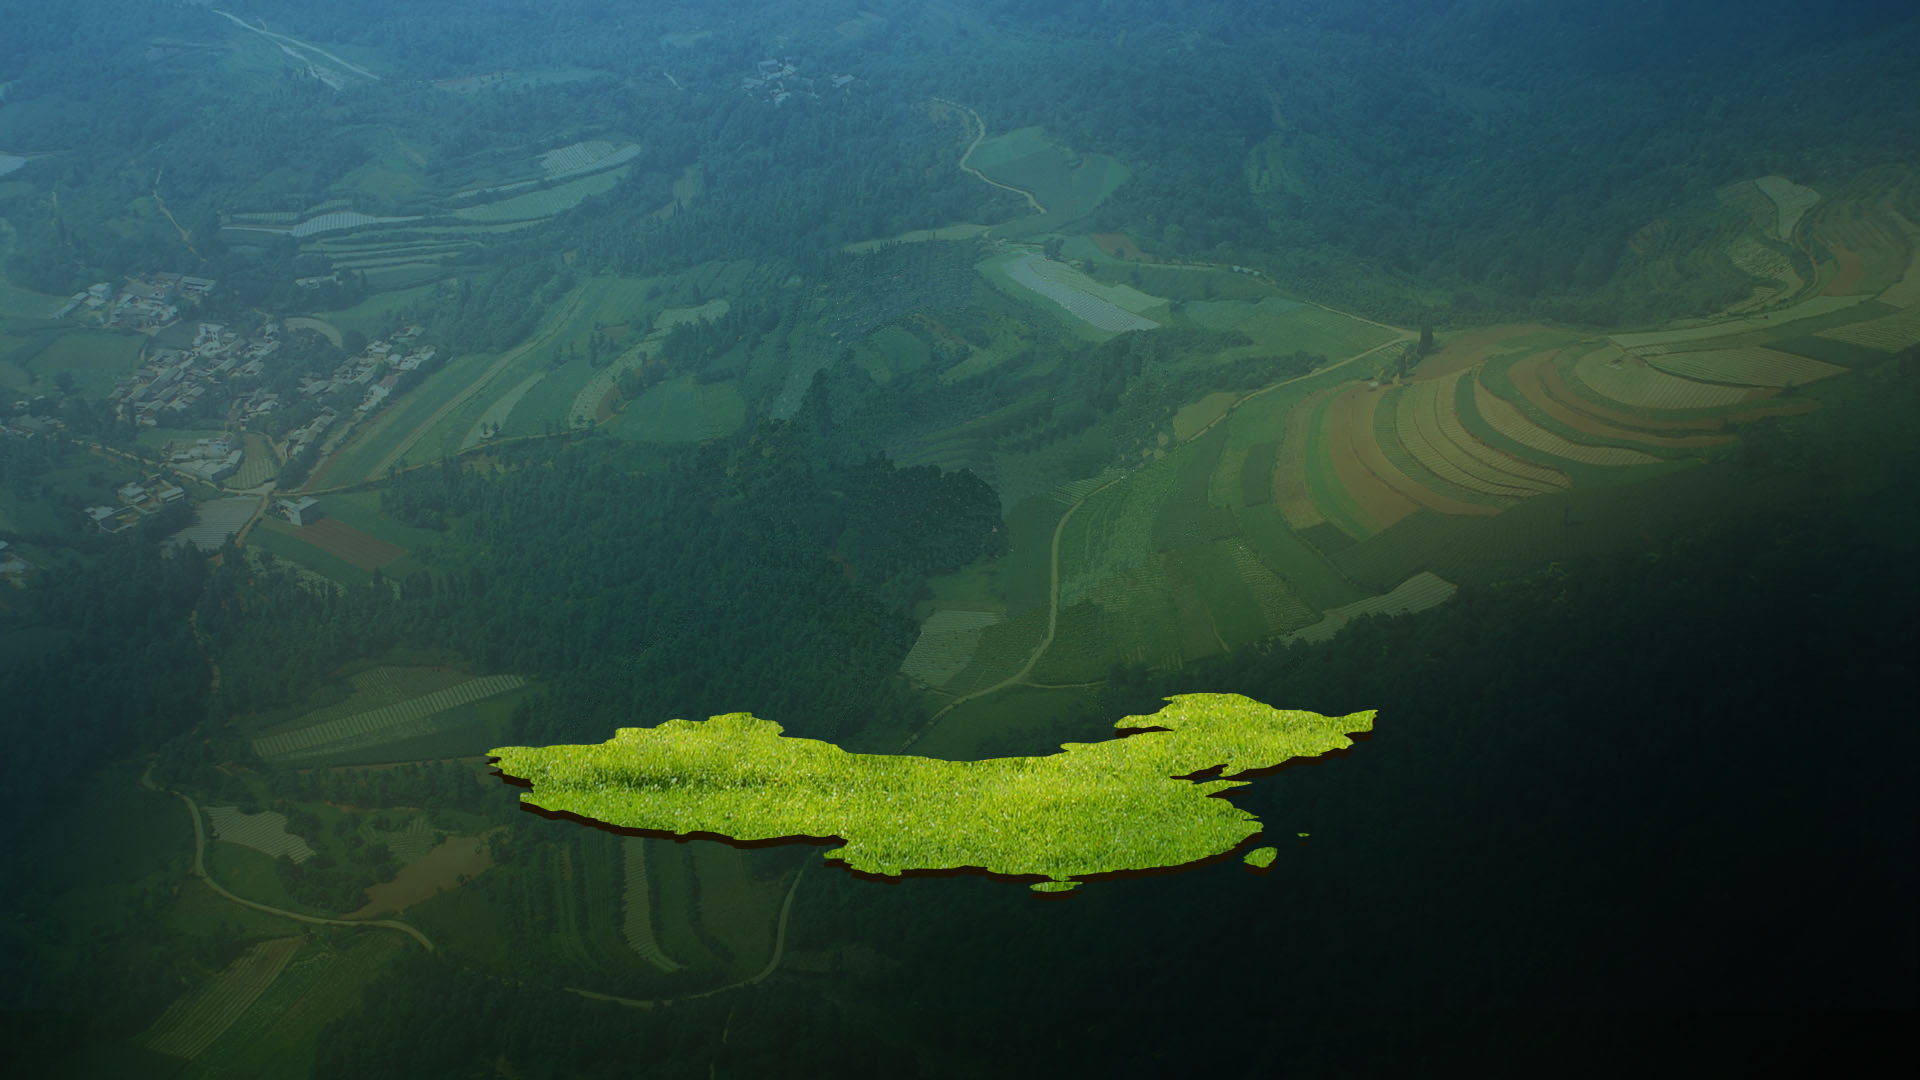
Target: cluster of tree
427 1018
762 578
100 663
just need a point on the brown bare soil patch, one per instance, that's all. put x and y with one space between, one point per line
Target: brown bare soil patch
335 537
1529 377
1849 268
603 412
1120 246
429 875
1381 489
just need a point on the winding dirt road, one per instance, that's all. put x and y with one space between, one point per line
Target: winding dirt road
199 870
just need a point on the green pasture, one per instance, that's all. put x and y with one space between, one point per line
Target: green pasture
546 202
361 509
370 315
1235 612
682 410
97 359
1068 184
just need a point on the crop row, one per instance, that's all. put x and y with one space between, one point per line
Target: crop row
265 831
1891 334
191 1024
1281 609
1617 375
384 721
1418 426
1507 419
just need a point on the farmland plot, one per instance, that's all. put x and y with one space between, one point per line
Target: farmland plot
683 410
1289 470
946 645
1078 295
1744 367
1375 471
1890 334
1416 423
1811 307
265 831
636 907
191 1024
545 203
1790 201
1507 419
390 723
1281 609
1627 378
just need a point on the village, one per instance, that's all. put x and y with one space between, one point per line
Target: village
779 80
227 372
146 303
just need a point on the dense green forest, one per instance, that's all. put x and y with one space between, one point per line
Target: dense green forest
1470 177
761 578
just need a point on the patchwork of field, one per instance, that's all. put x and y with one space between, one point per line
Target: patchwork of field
191 1024
1249 525
414 716
265 831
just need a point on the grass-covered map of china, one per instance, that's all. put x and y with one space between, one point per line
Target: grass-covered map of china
1141 801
